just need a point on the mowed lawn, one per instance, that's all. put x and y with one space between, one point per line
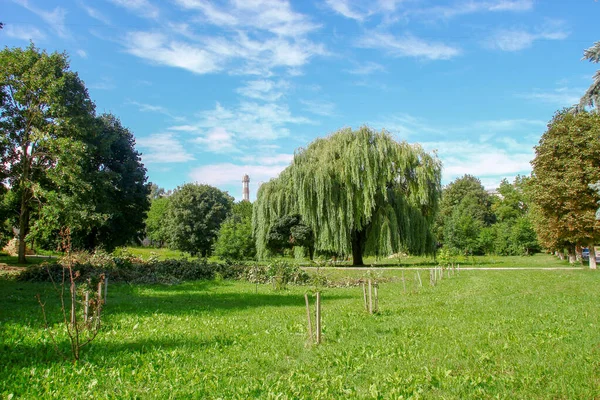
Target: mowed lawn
481 334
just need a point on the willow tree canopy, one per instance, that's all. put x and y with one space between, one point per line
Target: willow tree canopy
360 191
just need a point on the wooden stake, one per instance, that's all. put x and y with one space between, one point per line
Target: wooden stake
364 288
419 276
99 292
310 330
318 321
376 298
73 302
105 288
86 307
370 296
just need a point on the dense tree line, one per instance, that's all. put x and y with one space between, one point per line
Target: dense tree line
61 164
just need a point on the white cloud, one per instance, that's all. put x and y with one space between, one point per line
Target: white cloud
217 140
474 6
250 121
519 39
103 84
163 148
366 68
275 159
344 8
319 107
158 48
55 19
559 97
489 161
81 53
276 17
24 32
94 13
151 108
225 174
408 46
405 125
264 89
141 8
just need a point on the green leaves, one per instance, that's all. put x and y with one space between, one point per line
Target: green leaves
567 160
194 216
356 184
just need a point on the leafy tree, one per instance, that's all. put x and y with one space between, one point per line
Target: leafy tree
194 216
157 220
591 97
360 192
567 159
45 112
456 192
156 192
235 239
462 229
289 231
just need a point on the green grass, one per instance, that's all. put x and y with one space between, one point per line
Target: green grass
482 334
149 252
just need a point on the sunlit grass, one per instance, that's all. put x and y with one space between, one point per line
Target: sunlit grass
481 334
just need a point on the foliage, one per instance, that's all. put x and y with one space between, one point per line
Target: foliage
360 192
194 216
45 114
156 221
235 239
289 231
466 189
462 229
567 159
225 340
591 97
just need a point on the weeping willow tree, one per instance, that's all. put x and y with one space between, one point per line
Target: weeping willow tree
360 191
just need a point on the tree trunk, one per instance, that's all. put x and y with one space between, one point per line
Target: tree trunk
572 255
592 256
357 250
23 226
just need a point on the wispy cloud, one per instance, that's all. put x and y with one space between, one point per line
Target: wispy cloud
141 8
103 84
344 8
163 148
491 161
264 89
366 68
94 13
249 121
55 18
81 53
319 107
462 8
225 174
276 17
217 140
24 32
151 108
408 46
560 97
517 39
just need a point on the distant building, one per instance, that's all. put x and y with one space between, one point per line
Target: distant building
494 192
246 188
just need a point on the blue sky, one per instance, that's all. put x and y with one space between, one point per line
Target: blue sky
214 90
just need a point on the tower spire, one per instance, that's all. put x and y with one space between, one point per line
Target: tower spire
246 188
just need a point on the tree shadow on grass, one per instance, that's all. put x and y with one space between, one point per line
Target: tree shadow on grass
205 296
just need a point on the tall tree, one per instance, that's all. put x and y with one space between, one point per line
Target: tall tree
156 221
478 209
591 97
194 216
567 159
45 112
360 191
118 178
235 235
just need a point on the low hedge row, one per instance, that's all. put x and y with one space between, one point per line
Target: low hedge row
86 267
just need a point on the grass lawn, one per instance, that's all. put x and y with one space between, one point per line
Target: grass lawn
482 334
